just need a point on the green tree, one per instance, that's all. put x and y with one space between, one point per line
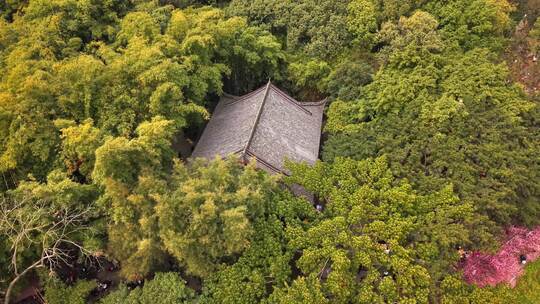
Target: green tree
79 144
317 28
444 118
164 288
57 292
309 75
93 19
267 263
59 192
455 291
207 219
132 174
394 9
117 64
362 20
367 212
470 24
302 291
347 80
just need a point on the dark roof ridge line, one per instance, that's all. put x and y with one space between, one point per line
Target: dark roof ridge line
267 164
261 160
315 103
291 100
301 105
259 112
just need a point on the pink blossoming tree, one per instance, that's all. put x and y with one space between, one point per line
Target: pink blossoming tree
505 266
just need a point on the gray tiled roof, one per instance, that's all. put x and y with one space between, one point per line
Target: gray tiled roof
267 125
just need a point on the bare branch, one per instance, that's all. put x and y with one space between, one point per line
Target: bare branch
32 226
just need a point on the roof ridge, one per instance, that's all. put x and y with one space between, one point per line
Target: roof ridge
262 161
291 100
315 103
259 112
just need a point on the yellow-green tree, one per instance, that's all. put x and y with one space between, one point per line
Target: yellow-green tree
117 64
131 173
378 240
208 218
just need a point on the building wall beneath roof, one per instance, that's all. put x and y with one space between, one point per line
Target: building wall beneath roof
302 192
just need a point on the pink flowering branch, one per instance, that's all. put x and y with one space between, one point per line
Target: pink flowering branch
505 266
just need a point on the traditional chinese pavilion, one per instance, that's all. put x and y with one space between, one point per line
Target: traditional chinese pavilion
266 125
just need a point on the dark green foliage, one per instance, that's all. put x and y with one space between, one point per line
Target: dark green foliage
164 288
267 263
346 81
318 28
367 211
57 292
450 118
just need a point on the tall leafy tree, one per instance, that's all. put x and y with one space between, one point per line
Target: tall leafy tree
164 288
267 263
378 240
318 28
208 218
444 117
132 173
470 24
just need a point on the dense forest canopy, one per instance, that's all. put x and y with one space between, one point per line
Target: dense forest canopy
431 143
